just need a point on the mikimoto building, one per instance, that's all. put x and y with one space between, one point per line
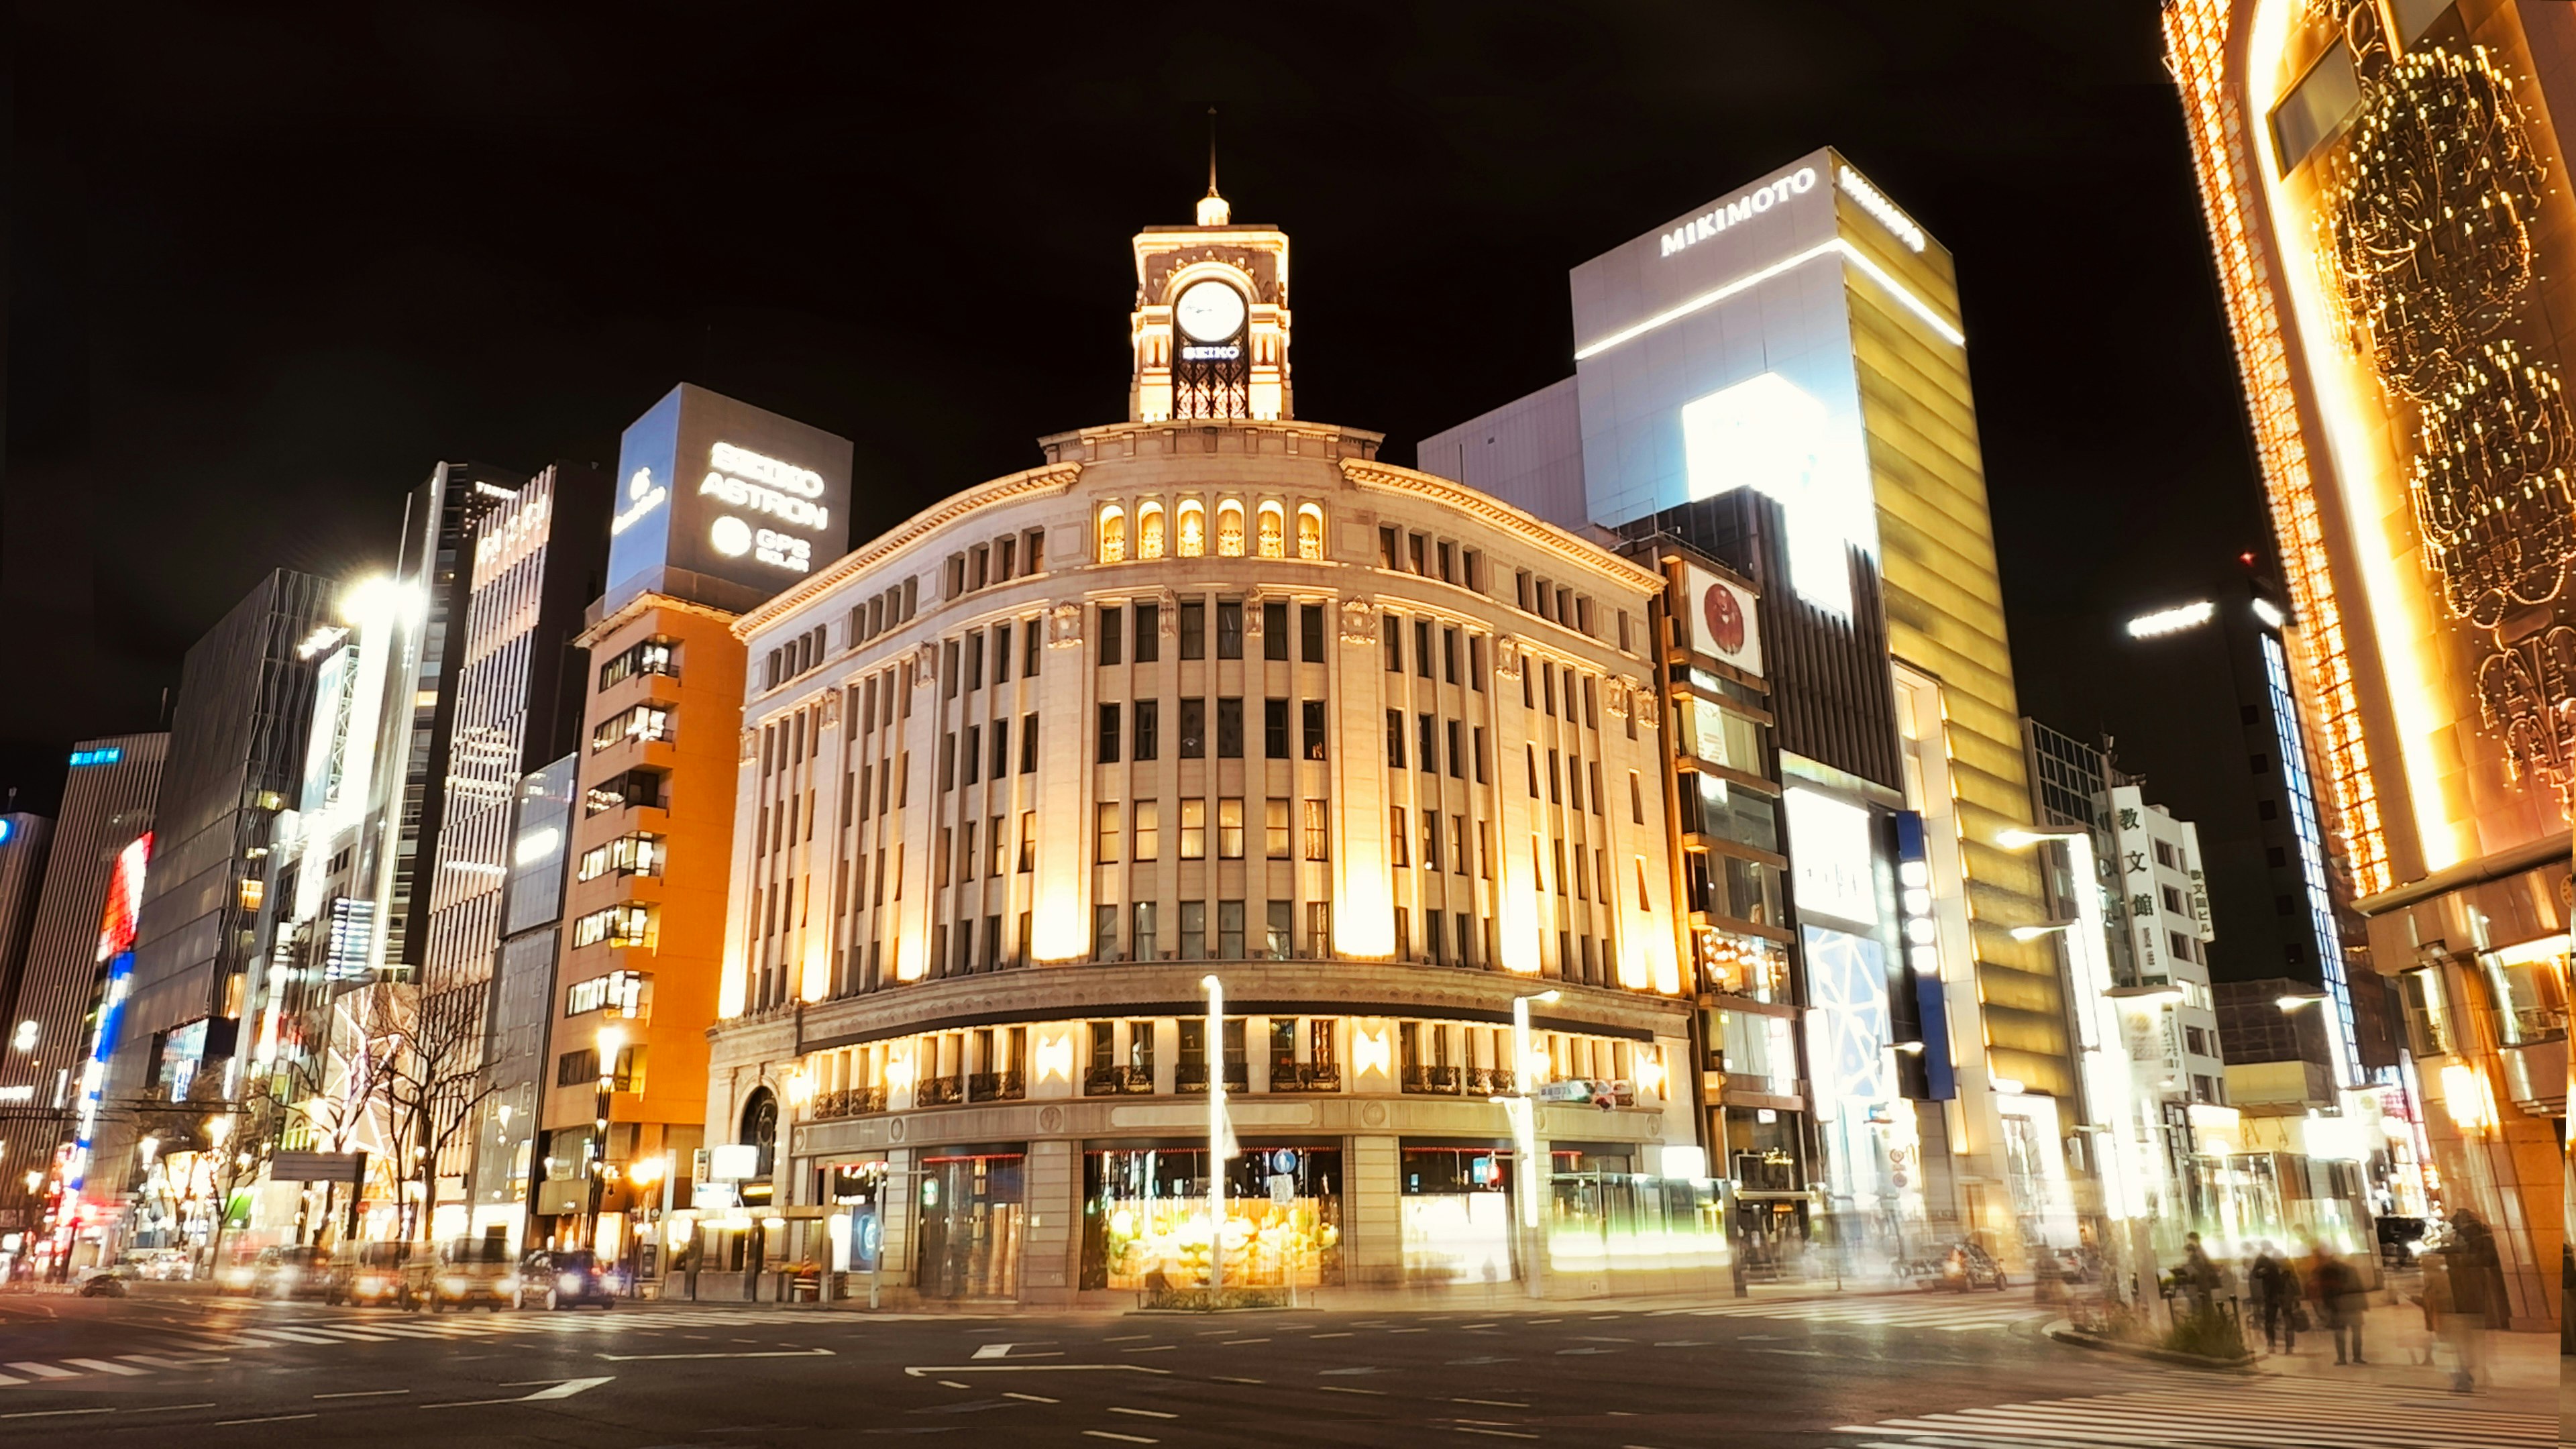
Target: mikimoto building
1211 701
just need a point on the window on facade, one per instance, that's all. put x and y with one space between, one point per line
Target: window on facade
1310 633
1274 629
1108 751
1273 531
1193 529
1193 729
1229 829
645 722
1149 530
1229 629
1399 850
1317 831
1113 634
1107 826
1313 710
1149 830
1274 730
619 925
1149 633
1229 529
1193 616
1310 532
1113 535
1274 829
1229 729
1194 829
637 854
652 656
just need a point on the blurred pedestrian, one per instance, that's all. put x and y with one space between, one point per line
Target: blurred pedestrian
2278 1298
2341 1303
2199 1275
2455 1309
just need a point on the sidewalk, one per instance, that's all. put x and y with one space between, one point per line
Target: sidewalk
2393 1341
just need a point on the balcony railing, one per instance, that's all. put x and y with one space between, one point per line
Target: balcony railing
1490 1082
996 1086
849 1102
1433 1079
938 1091
1117 1082
1188 1078
1305 1077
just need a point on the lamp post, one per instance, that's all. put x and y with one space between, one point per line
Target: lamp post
612 1040
1217 1134
1524 1113
2108 1102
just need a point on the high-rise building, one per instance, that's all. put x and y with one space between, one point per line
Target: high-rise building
2385 187
107 802
24 842
536 563
1780 382
720 505
520 1008
1213 700
236 757
433 585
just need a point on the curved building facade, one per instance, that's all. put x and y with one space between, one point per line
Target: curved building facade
1216 695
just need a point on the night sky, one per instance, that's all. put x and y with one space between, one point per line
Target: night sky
266 267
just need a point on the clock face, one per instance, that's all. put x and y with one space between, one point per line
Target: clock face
1209 311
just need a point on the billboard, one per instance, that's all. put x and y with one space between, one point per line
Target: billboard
1722 619
724 503
1715 353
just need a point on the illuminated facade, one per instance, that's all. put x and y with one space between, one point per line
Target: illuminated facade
718 506
2385 189
1211 692
1780 382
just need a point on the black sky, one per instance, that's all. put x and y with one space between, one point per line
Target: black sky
266 265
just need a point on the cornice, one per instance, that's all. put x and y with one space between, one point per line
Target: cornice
608 624
1531 529
1049 478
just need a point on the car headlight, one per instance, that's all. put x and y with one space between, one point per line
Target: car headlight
569 1282
454 1285
510 1284
371 1285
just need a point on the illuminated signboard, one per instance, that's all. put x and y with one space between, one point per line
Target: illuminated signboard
1832 864
116 950
724 502
1722 621
106 756
1716 353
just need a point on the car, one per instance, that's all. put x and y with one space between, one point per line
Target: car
463 1272
368 1273
165 1265
298 1270
238 1273
566 1279
1960 1267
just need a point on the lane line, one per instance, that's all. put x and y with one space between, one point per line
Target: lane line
367 1393
1491 1403
1142 1413
1121 1438
53 1413
44 1371
1032 1398
266 1419
103 1366
1338 1389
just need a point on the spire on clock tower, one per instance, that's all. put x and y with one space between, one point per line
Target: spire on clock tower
1212 208
1210 326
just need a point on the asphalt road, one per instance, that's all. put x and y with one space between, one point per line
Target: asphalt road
1939 1373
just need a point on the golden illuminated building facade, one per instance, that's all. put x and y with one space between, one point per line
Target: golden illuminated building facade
1212 693
2387 196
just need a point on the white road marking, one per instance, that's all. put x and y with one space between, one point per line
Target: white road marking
923 1372
44 1371
1032 1398
1491 1403
1142 1413
103 1366
266 1419
363 1394
1338 1389
1121 1438
759 1353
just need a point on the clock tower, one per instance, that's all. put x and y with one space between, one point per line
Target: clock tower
1210 329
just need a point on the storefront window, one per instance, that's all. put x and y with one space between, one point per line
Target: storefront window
1145 1218
2529 986
1455 1211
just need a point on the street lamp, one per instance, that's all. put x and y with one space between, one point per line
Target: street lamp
2292 1001
612 1040
1524 1113
1214 1050
2109 1106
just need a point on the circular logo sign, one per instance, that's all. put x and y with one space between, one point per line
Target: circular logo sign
732 538
1725 618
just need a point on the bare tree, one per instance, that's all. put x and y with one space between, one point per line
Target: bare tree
436 1084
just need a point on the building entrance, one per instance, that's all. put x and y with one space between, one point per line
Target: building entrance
972 1212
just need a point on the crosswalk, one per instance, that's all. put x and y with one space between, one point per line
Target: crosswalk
1947 1313
2242 1414
204 1347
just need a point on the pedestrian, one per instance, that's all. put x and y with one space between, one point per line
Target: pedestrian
2277 1297
2199 1275
2456 1308
2341 1303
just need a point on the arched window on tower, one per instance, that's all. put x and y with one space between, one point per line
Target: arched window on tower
1113 534
1310 532
1193 528
1229 529
1274 543
1149 530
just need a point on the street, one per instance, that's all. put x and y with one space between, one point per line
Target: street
1851 1373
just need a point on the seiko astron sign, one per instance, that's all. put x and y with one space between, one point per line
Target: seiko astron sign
723 501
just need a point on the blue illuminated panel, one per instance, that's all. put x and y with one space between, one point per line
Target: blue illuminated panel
2312 854
108 756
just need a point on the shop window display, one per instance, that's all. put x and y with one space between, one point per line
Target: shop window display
1145 1218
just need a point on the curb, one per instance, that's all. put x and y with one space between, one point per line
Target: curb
2063 1331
